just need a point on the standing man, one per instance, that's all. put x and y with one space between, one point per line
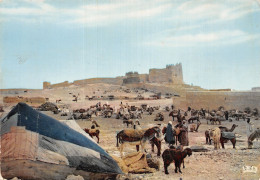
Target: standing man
183 136
169 136
249 128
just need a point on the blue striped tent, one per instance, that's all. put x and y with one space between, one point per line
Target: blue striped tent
56 140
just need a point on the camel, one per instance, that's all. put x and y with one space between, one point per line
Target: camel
93 132
193 118
108 113
136 137
226 136
207 117
220 113
159 117
129 121
135 115
222 128
95 123
254 135
214 120
195 127
174 114
150 110
181 117
215 134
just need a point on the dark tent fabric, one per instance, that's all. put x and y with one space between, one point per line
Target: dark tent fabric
35 121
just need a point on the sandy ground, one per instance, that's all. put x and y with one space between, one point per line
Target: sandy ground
216 164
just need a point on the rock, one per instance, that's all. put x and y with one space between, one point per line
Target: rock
152 163
49 107
199 149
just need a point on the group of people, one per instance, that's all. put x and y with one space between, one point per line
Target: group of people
180 131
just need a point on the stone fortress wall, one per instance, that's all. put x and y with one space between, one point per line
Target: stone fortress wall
170 80
171 74
214 99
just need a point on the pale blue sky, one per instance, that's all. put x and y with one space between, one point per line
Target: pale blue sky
217 42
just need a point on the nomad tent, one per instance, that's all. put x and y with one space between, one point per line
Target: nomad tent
36 146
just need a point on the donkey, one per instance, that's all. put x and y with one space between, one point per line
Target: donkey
254 135
136 137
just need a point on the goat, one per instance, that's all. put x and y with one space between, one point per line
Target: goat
177 156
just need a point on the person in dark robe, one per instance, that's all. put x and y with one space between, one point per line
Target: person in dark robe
183 136
226 115
169 136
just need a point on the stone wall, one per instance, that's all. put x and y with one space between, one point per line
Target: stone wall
170 74
256 89
144 78
230 100
15 100
114 81
159 75
48 85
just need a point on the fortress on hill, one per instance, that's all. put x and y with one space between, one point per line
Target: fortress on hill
169 80
172 74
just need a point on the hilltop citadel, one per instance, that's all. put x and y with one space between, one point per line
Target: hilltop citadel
172 74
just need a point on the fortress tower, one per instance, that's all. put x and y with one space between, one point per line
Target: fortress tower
170 74
46 85
131 77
